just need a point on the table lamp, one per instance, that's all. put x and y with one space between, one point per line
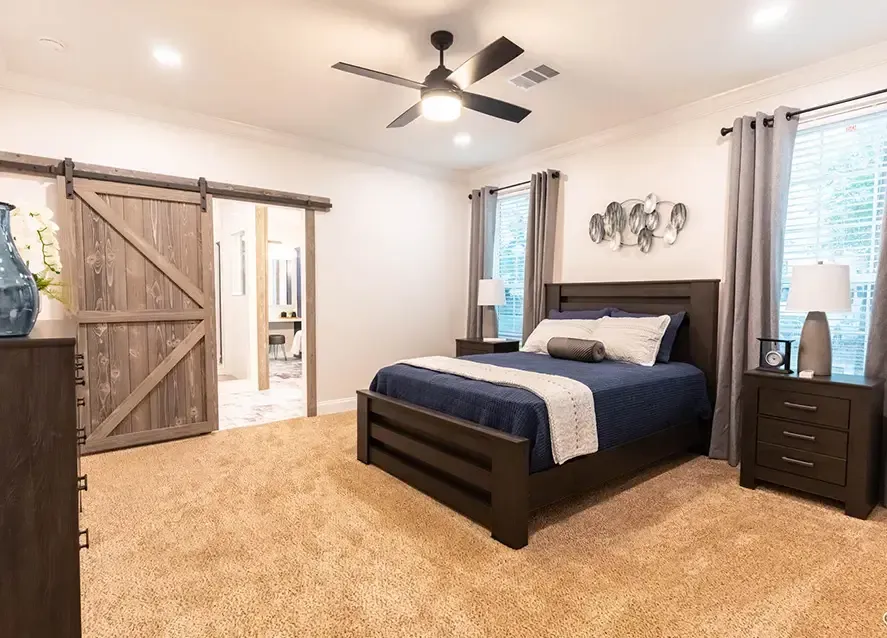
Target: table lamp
490 292
817 289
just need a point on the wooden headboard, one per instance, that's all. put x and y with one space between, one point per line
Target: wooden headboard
697 340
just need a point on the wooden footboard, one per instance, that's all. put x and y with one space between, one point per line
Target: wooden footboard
478 471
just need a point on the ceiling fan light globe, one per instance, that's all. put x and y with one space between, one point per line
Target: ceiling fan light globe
441 107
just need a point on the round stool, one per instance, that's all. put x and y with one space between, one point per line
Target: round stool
277 343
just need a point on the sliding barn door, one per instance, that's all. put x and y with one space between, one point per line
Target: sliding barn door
144 297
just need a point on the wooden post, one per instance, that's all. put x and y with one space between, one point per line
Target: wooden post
309 336
511 493
262 296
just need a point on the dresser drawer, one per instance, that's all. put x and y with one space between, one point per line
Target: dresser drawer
799 436
802 463
809 408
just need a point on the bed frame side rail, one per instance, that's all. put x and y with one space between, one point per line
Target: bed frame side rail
478 471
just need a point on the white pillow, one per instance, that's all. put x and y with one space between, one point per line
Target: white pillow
549 328
633 339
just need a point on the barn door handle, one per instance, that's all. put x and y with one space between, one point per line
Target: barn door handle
83 539
82 483
81 436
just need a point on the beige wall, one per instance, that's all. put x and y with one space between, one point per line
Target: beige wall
391 255
681 156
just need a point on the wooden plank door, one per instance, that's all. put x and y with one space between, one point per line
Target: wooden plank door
143 292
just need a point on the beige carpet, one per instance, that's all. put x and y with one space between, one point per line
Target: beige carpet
277 531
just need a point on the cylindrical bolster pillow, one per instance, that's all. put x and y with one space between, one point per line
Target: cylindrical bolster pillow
586 350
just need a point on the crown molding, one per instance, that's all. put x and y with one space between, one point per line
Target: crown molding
732 100
89 98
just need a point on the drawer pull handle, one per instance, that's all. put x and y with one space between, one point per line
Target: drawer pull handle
795 435
84 539
789 459
800 406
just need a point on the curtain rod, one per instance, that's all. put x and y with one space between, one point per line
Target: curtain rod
554 174
768 121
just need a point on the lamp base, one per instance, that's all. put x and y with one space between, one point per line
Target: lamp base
815 349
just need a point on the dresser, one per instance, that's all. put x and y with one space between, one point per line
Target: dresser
465 347
820 435
40 539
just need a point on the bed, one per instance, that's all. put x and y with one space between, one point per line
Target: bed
483 449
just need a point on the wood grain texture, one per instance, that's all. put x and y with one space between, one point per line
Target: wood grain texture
309 336
262 296
145 336
150 252
211 366
153 379
134 191
39 554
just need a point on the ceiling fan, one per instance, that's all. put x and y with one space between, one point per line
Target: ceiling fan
443 93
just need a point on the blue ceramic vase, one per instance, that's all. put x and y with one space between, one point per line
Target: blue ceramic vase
19 299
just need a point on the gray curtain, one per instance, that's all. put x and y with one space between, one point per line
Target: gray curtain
480 261
876 352
539 264
760 172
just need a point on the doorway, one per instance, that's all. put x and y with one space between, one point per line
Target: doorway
263 292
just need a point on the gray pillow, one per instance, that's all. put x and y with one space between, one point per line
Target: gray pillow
586 350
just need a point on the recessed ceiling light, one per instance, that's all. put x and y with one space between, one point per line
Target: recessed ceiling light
462 139
51 44
768 16
167 56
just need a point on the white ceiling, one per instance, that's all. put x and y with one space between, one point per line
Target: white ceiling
267 62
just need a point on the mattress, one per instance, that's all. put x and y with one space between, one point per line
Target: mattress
631 401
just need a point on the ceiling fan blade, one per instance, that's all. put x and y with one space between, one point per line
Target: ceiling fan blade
494 107
377 75
407 116
488 60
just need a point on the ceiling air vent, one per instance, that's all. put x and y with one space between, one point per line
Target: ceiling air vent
528 79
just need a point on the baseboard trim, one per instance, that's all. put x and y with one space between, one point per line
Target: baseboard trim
337 405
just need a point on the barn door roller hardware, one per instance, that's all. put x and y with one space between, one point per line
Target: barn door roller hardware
49 167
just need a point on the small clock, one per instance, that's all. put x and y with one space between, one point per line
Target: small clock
775 355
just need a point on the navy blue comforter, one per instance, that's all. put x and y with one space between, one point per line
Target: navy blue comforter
631 401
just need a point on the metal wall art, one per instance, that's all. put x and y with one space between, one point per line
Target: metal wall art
643 218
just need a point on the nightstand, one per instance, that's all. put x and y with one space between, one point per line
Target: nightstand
465 347
820 435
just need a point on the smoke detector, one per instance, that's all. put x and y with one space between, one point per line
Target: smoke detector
534 77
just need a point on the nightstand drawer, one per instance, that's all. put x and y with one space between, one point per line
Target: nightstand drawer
810 408
464 351
803 437
802 463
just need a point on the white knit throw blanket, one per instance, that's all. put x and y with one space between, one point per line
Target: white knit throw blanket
572 421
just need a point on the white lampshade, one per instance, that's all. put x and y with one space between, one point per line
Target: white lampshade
490 292
819 287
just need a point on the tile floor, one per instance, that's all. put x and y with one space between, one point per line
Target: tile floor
241 405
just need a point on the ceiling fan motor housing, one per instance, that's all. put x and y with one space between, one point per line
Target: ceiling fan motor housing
436 83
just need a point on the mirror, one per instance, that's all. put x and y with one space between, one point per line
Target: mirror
285 278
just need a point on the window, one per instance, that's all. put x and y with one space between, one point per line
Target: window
836 204
509 254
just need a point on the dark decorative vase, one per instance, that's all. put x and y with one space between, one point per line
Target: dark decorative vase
19 299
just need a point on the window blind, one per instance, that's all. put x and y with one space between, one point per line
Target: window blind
836 205
512 211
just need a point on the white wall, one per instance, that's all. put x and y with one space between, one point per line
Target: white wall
239 330
681 156
391 255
